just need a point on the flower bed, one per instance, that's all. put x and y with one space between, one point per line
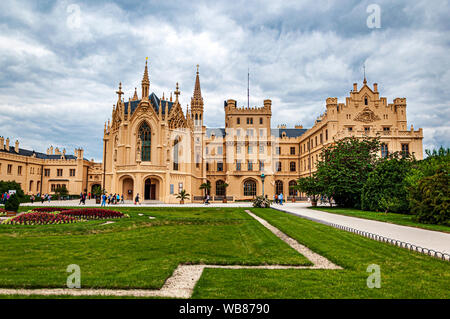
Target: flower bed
41 219
49 209
92 213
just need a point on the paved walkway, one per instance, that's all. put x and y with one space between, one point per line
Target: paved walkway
429 239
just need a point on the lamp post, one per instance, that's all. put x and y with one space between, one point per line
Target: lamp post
262 180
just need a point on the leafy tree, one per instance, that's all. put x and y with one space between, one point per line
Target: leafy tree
5 186
386 188
61 191
345 167
311 186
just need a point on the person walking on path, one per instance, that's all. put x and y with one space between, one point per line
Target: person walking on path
122 201
32 199
207 199
280 197
136 200
103 200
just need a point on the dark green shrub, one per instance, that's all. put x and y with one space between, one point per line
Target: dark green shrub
430 198
385 188
12 204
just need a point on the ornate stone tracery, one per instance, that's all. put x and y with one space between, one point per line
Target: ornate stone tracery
367 116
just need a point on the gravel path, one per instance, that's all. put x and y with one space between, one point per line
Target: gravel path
183 280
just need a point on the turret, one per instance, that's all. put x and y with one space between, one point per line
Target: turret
268 104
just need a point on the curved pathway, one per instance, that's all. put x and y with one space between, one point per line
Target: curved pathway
429 239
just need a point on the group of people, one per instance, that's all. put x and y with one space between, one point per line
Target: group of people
43 197
278 198
5 197
112 199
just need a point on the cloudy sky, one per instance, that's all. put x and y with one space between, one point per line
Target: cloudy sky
61 61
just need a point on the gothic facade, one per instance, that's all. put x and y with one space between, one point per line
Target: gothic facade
153 148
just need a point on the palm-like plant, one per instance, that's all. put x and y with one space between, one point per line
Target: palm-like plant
206 186
182 195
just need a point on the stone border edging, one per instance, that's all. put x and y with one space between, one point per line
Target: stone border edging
395 242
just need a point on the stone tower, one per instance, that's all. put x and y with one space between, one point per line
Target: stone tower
197 103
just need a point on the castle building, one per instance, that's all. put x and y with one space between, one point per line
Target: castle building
153 148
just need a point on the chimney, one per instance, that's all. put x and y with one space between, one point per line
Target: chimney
2 143
299 126
51 150
7 144
57 152
16 147
355 87
375 87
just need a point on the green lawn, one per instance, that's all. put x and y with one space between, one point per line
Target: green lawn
404 274
139 252
136 252
393 218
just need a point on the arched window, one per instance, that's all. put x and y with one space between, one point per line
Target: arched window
176 146
292 191
146 138
220 190
365 101
278 187
250 188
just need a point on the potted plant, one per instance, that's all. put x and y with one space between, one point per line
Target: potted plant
225 185
12 205
98 194
182 195
206 186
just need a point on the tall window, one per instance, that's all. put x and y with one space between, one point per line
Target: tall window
220 190
292 166
292 150
146 138
72 172
238 121
384 150
250 188
278 166
261 165
250 166
405 150
278 187
175 154
59 172
260 120
238 165
292 190
219 166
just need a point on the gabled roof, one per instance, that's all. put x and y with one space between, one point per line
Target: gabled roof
154 101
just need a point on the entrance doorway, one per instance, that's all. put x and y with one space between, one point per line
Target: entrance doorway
150 189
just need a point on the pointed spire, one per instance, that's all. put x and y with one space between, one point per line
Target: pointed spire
135 96
119 93
197 90
166 112
170 96
365 81
160 110
145 82
177 92
163 97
